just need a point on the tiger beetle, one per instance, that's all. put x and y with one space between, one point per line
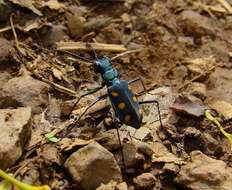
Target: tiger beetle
123 101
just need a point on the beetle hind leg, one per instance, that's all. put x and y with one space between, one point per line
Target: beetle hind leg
158 107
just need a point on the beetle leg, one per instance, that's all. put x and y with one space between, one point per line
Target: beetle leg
158 106
91 105
141 81
92 91
117 125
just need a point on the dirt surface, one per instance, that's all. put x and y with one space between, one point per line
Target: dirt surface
182 51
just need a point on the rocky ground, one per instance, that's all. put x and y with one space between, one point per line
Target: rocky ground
182 51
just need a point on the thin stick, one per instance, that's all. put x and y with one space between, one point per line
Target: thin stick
5 29
96 46
226 5
60 88
127 52
197 77
15 36
121 150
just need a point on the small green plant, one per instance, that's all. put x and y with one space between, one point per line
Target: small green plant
5 185
50 137
216 122
9 180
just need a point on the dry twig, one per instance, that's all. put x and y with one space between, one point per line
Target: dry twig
197 77
226 5
127 52
96 46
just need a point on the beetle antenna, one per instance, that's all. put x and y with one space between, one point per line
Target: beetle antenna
93 50
77 56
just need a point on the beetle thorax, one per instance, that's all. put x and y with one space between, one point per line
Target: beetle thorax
108 73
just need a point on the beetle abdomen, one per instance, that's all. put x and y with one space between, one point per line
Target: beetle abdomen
125 104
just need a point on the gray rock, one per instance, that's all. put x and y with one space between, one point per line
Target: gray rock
144 181
92 165
15 126
24 91
205 173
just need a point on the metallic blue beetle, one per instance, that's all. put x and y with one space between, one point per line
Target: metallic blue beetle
123 100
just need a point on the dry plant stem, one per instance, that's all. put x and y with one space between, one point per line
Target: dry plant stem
60 88
56 86
226 5
15 36
5 29
96 46
197 77
57 130
99 106
127 52
17 172
20 185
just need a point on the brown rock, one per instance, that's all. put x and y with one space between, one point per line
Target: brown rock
92 165
4 77
109 186
95 24
144 148
24 91
195 24
180 72
205 173
5 10
222 107
121 186
144 181
197 89
15 126
5 47
75 24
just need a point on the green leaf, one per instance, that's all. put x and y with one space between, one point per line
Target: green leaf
19 184
54 139
51 138
216 122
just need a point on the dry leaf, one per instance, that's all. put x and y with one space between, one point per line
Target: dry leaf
161 154
67 144
222 107
53 4
31 25
57 73
27 4
185 105
200 65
